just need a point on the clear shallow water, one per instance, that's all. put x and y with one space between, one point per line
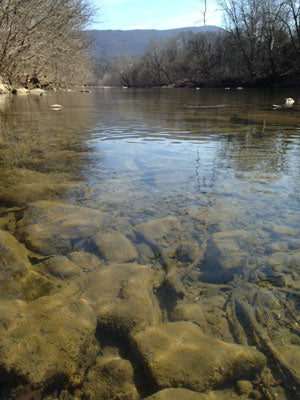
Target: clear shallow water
200 186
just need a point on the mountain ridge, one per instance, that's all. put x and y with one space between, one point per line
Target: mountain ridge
115 43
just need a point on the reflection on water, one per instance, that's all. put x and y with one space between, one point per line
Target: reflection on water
146 234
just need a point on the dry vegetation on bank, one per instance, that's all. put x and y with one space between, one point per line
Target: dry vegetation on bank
42 42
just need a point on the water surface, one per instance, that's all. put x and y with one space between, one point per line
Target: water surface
200 187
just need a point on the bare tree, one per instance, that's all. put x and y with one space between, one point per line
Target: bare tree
35 34
291 19
257 30
204 10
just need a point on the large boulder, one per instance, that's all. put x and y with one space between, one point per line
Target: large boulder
52 227
122 295
179 355
45 338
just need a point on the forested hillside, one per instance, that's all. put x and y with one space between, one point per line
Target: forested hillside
115 43
260 45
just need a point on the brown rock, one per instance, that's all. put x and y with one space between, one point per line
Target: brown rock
8 222
123 298
156 228
184 394
24 194
19 176
45 338
177 394
179 355
51 227
62 267
35 285
15 265
225 253
110 378
87 262
11 250
190 312
115 247
291 354
146 254
244 387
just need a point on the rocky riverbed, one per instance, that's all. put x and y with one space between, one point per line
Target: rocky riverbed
94 306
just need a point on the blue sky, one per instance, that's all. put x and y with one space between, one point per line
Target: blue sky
153 14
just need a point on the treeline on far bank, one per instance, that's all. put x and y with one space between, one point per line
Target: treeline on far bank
42 42
260 45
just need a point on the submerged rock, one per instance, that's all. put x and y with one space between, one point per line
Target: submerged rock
192 312
20 176
146 255
115 247
23 194
86 261
122 296
291 354
15 266
61 267
211 322
284 230
185 394
179 355
110 378
44 339
227 252
156 228
52 227
35 285
295 261
8 221
12 252
244 387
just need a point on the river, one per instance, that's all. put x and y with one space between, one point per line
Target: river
149 245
